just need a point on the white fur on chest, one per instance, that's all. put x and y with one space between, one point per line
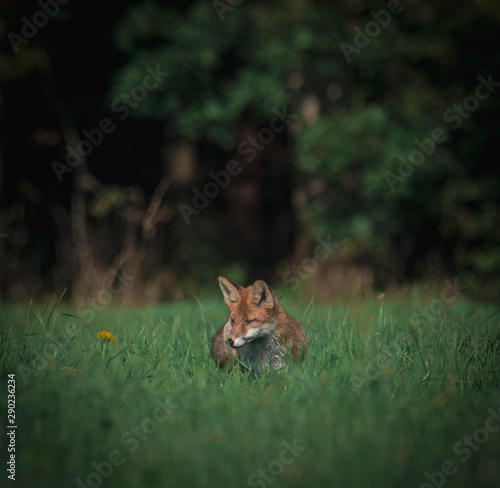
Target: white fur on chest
263 354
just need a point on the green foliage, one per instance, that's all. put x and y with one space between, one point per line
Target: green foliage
371 107
470 215
346 158
220 70
377 402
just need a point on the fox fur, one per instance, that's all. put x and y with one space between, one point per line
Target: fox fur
259 332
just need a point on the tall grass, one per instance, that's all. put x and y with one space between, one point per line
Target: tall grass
377 401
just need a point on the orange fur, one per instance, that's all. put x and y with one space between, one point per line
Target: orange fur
256 319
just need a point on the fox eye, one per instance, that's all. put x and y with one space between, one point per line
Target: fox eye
249 321
231 320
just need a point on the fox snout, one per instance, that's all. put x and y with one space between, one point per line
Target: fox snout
237 341
241 335
258 327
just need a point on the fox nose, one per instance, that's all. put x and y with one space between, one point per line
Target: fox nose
231 342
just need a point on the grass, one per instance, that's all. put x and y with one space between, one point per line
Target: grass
377 401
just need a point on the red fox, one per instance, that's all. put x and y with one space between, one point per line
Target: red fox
259 331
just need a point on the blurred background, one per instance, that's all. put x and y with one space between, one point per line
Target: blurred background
330 147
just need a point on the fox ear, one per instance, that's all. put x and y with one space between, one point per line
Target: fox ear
229 290
261 294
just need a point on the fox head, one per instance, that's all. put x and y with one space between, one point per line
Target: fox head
252 311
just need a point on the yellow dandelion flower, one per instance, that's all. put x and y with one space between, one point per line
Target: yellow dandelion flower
105 335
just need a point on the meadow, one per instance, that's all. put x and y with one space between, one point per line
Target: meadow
396 393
